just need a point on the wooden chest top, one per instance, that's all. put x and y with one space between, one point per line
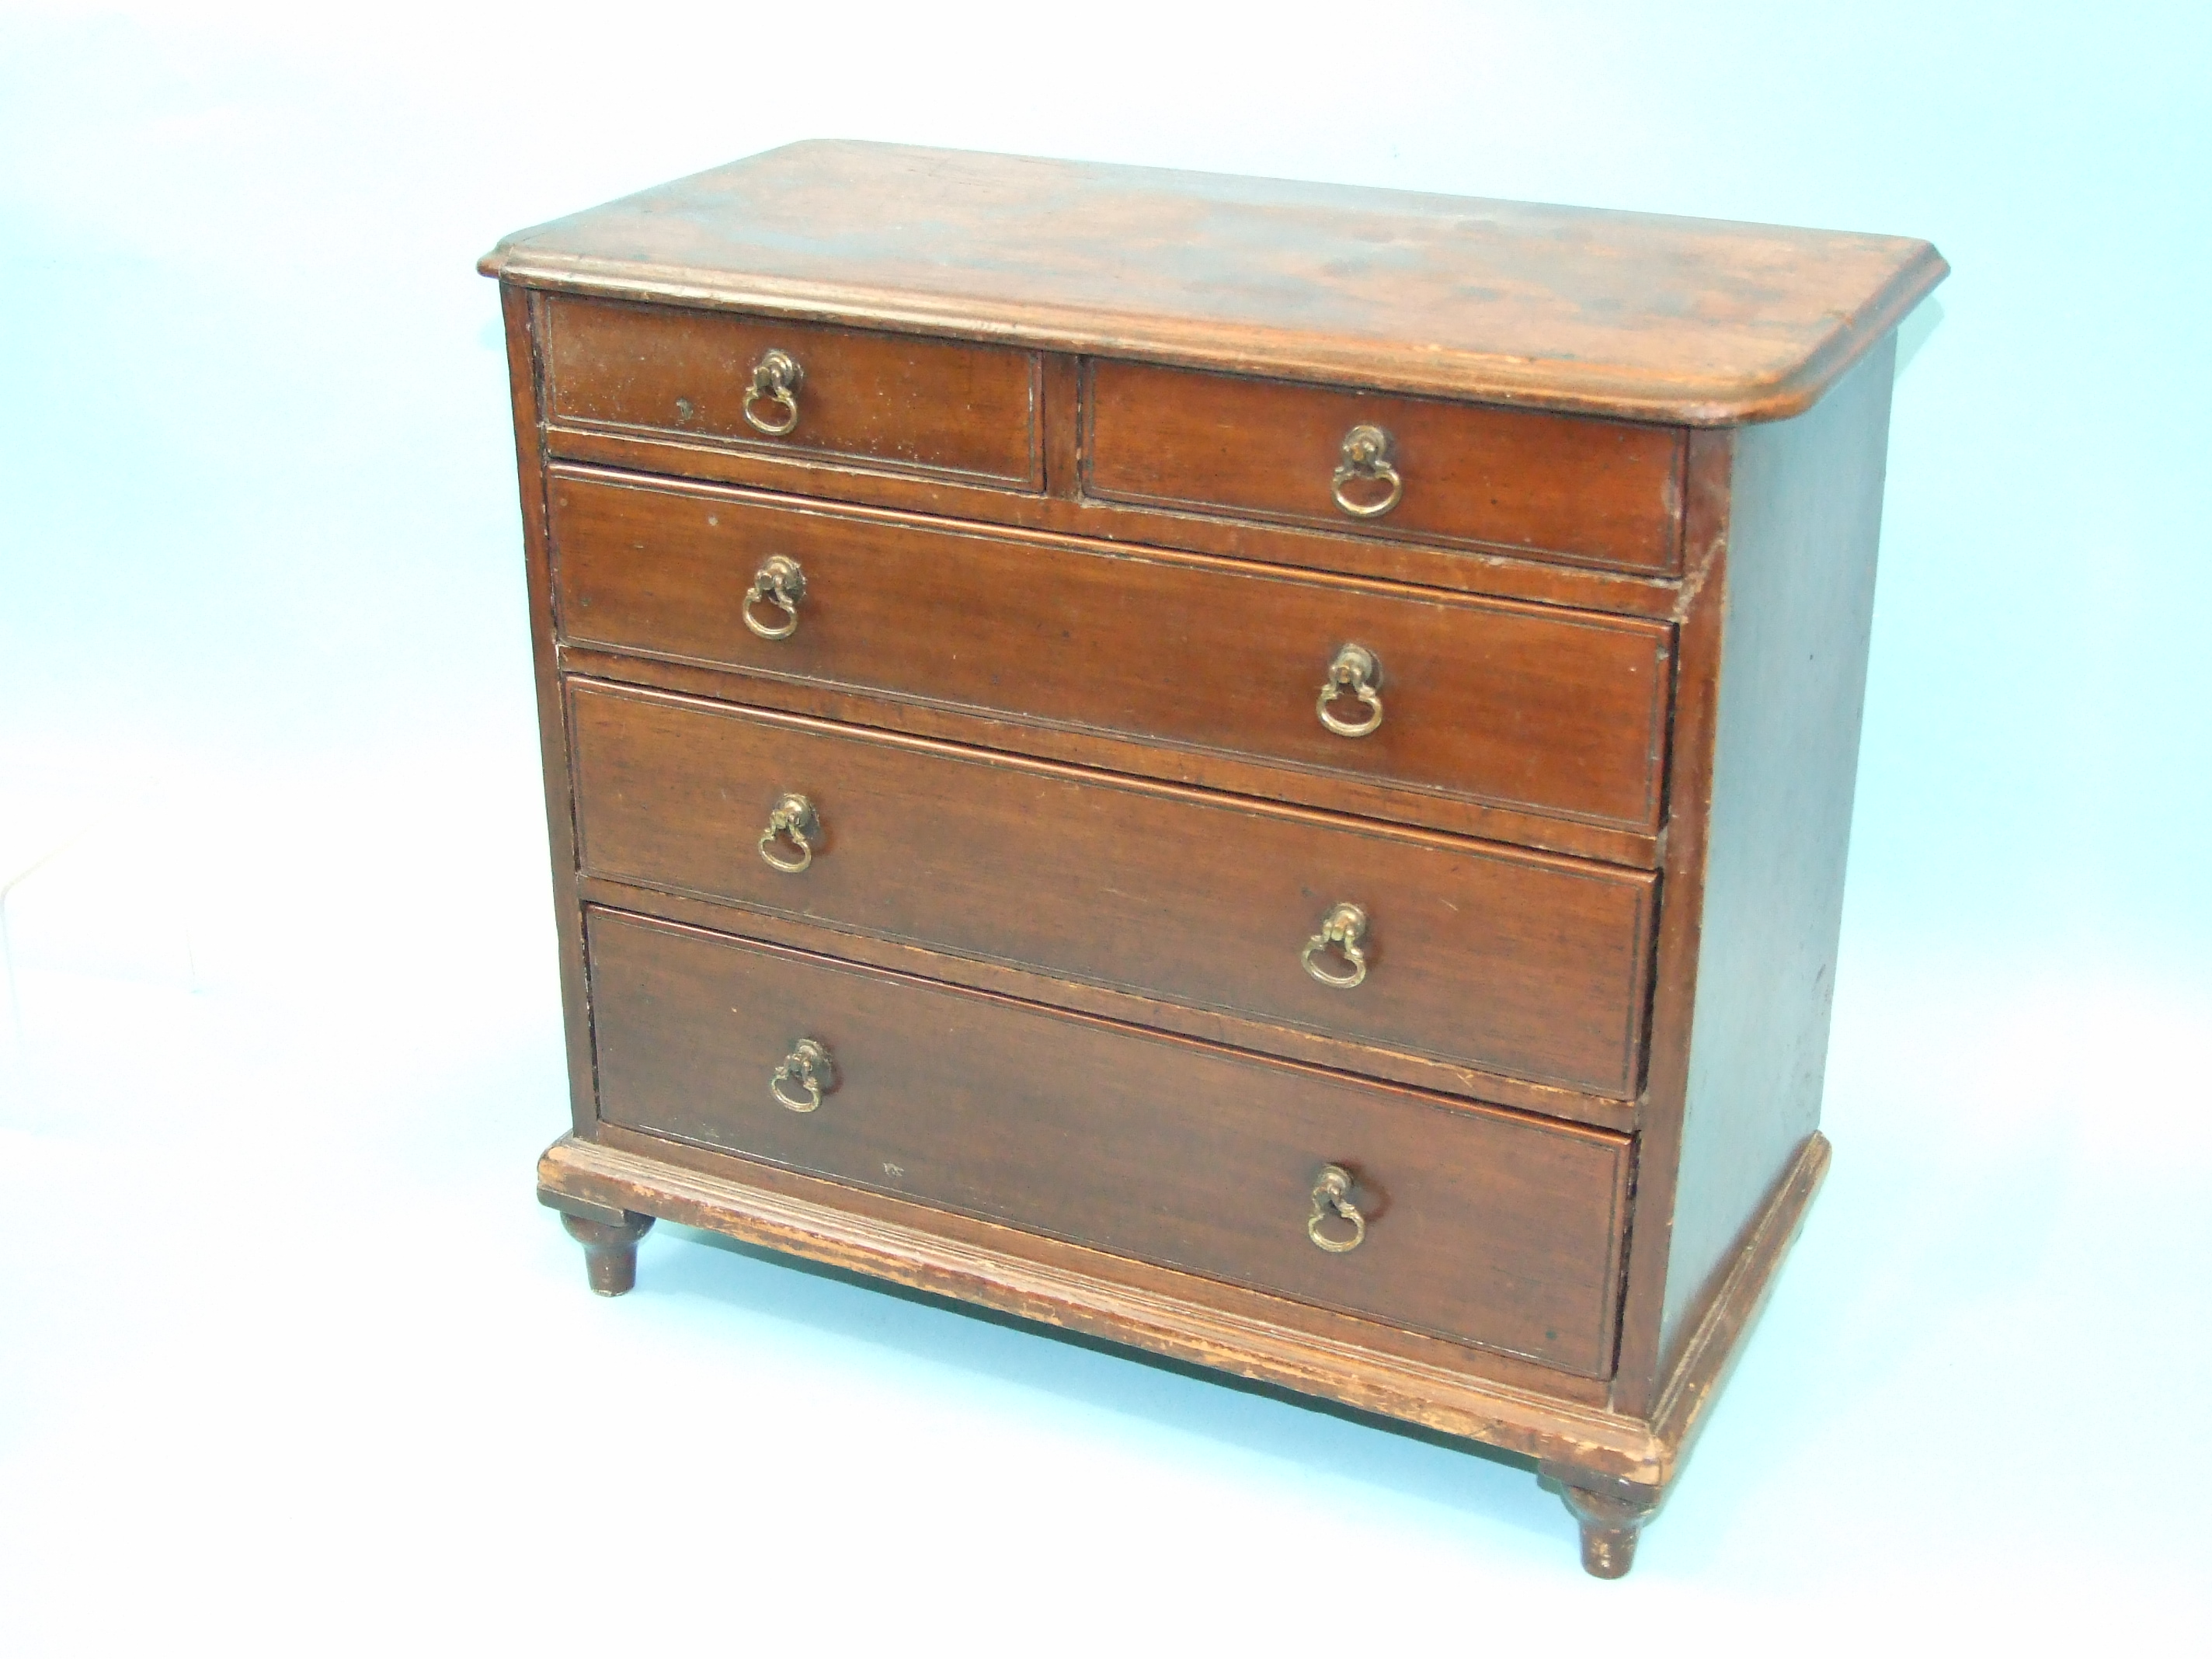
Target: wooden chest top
1693 321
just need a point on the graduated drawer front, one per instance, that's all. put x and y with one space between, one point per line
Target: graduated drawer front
1478 955
886 402
1550 711
1481 1227
1599 492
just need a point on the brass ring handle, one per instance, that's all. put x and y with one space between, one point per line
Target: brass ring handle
1343 927
808 1065
1331 1194
779 582
776 380
793 817
1354 672
1366 456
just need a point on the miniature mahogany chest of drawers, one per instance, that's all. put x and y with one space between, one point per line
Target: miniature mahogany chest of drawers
1255 769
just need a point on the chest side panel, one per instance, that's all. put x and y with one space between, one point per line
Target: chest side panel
1805 516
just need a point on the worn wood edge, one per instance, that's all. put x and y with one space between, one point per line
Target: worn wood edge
1714 1345
1560 384
1491 1365
525 375
1795 393
1009 1280
843 460
1060 418
612 1215
1637 1376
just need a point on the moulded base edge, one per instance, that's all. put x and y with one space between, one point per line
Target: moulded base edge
1088 1290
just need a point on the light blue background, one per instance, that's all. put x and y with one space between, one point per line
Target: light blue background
266 734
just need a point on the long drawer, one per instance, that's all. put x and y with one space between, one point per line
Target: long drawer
1478 955
1550 711
1475 1225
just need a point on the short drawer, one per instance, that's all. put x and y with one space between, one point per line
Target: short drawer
1594 491
1478 1226
1475 954
1519 707
895 402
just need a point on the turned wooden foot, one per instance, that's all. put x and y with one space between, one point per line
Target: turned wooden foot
1609 1525
610 1249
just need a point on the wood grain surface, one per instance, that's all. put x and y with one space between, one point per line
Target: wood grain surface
1061 489
1478 1226
890 401
1365 1362
1605 492
1497 572
1520 707
1474 1393
521 314
1330 1051
1695 321
1509 962
1804 521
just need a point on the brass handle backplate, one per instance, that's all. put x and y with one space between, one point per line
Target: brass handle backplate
1366 457
776 380
1355 672
1345 926
807 1067
792 819
1331 1197
781 583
